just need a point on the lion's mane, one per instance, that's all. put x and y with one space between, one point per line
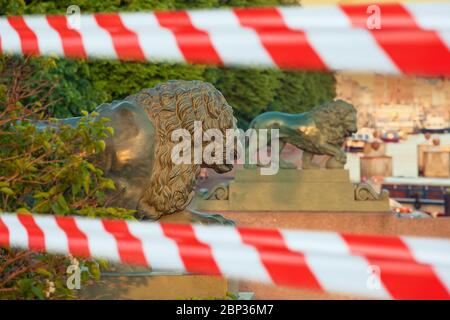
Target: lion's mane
176 105
329 117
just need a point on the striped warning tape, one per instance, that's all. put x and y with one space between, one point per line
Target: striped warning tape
413 39
409 267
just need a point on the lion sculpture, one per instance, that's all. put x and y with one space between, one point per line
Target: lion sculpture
321 131
138 156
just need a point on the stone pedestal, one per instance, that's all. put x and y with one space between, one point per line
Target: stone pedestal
294 190
129 282
380 166
421 148
437 164
150 286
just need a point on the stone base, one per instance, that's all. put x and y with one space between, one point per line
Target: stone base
436 164
380 166
294 190
157 287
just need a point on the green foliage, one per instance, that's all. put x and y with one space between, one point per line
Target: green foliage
74 90
249 91
116 79
301 91
46 169
49 171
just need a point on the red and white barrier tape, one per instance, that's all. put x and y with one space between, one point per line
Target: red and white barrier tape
413 39
410 267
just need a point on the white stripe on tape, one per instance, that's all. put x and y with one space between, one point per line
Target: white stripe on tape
160 251
18 236
55 238
49 41
248 264
315 17
101 243
353 50
10 40
157 42
346 274
315 241
235 45
96 40
429 251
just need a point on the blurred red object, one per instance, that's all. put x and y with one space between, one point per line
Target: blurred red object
403 210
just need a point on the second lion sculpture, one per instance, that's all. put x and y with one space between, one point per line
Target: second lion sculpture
138 156
321 131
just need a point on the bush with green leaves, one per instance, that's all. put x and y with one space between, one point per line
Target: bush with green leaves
48 169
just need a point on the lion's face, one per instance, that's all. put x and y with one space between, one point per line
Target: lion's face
225 166
349 124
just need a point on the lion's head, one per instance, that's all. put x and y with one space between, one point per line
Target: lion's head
176 105
336 120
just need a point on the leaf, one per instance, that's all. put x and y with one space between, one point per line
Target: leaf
103 263
62 203
90 166
53 190
57 208
100 145
43 272
24 284
7 191
86 181
108 184
40 195
94 270
38 292
110 130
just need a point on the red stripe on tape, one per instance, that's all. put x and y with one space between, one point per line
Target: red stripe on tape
378 247
71 39
4 234
28 39
288 48
129 247
413 49
36 237
284 266
195 44
125 41
406 283
77 240
392 16
409 280
196 256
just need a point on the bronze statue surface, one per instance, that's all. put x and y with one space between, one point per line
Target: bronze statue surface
138 156
321 131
